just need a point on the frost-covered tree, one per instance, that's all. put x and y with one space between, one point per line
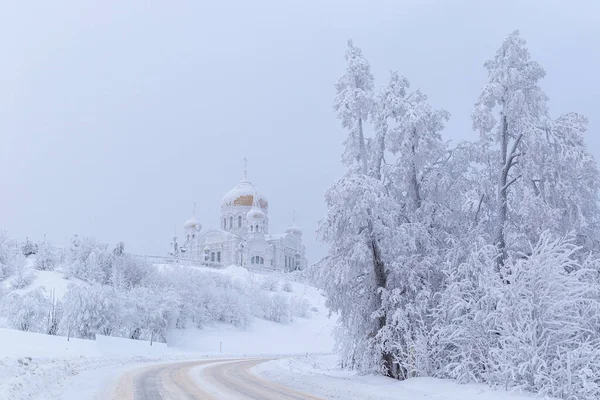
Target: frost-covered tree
46 257
8 250
354 104
29 248
509 109
23 275
88 310
157 312
352 227
383 216
28 312
543 176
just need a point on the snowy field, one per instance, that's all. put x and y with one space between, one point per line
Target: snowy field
38 366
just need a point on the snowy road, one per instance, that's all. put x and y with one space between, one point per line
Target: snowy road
207 379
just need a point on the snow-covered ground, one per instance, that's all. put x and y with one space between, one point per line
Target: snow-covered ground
38 366
318 374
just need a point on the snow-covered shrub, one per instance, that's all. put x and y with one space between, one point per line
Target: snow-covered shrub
29 248
547 323
89 310
275 307
28 312
8 252
465 331
150 313
127 272
23 275
300 307
270 283
287 287
46 257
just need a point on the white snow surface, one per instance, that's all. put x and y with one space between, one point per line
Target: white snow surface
38 366
319 375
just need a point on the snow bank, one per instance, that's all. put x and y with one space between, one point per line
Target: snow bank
263 337
15 343
319 375
119 347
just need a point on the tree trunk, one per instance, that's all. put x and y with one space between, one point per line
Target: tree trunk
414 181
378 263
381 283
500 239
362 148
381 151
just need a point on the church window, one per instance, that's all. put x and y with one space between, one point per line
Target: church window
256 228
212 256
218 256
230 222
239 221
257 260
251 228
224 223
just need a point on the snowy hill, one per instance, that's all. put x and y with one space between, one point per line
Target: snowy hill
36 365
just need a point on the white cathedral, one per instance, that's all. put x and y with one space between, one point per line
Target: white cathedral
243 237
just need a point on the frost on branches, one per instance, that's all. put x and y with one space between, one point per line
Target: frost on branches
477 262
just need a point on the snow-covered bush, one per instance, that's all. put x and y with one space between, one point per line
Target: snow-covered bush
8 253
287 287
465 329
23 275
28 312
547 324
46 257
275 307
270 283
89 310
300 307
29 248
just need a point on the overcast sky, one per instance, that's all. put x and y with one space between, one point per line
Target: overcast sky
115 116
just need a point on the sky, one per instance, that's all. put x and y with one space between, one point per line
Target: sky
116 116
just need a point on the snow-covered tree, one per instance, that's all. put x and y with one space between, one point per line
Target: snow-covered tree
46 257
23 275
8 252
88 310
514 94
29 248
544 177
28 312
354 104
357 214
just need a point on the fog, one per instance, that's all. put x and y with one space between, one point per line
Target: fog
115 118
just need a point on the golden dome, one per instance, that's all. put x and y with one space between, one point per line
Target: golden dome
243 195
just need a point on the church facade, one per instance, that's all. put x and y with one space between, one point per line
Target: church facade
243 237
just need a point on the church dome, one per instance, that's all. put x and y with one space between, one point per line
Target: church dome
243 195
294 230
192 223
255 215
